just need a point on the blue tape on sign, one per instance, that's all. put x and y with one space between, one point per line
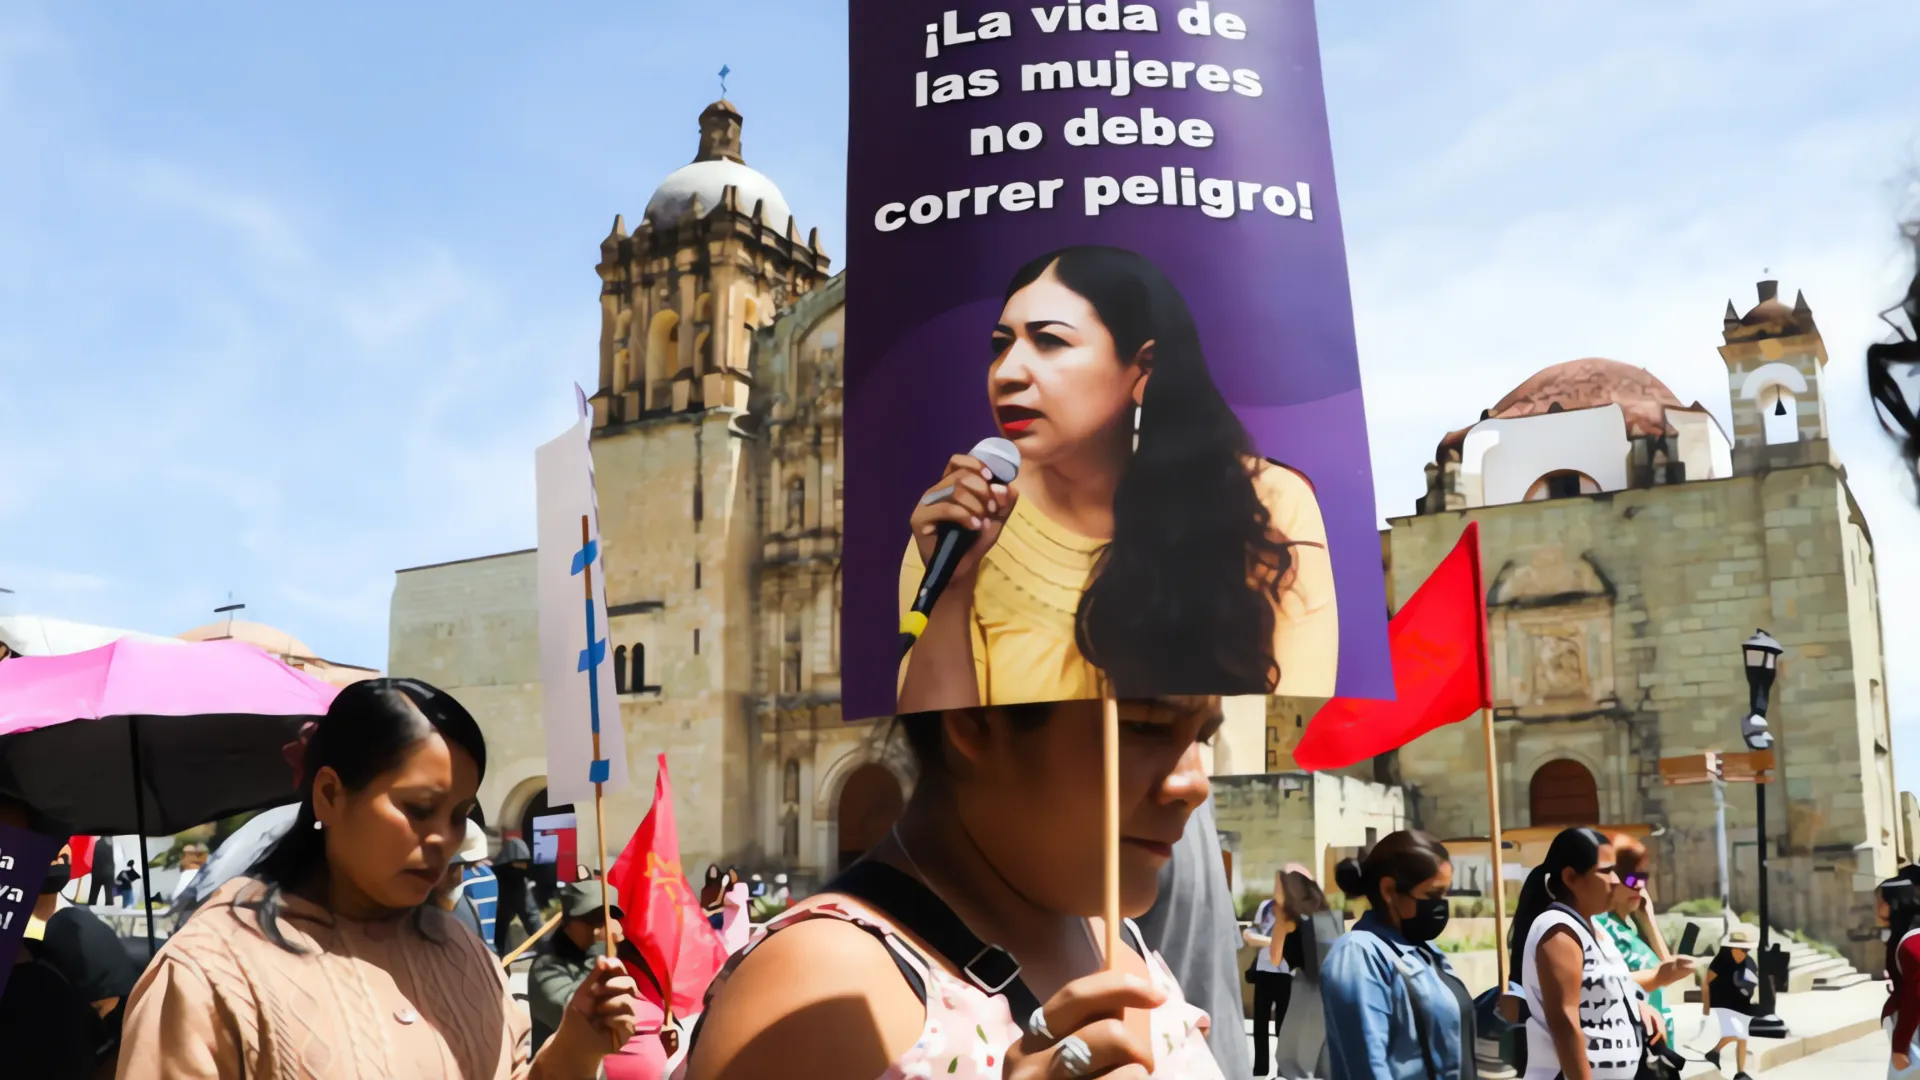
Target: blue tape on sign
593 655
600 771
584 557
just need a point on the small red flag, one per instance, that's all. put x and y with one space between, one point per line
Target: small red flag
662 916
1439 646
82 847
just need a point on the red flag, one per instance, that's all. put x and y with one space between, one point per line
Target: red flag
82 855
662 916
1439 644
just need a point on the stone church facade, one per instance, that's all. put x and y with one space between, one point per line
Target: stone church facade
1630 547
716 443
1630 544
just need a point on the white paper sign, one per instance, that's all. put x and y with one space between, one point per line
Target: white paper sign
576 663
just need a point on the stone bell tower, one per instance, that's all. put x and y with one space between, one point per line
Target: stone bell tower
1776 370
716 255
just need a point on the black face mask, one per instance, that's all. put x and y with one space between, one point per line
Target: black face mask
58 875
1428 920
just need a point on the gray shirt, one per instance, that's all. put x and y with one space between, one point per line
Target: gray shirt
1194 928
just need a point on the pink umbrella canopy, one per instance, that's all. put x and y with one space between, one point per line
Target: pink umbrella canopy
149 738
139 678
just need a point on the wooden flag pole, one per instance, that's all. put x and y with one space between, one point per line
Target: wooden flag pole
1500 951
1110 826
599 792
519 950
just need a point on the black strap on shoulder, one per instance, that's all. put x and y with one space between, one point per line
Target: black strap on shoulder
917 910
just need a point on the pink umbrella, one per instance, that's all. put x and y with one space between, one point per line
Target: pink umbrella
197 730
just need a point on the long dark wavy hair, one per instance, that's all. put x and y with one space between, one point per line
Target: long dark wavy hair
1181 599
1574 849
1902 894
367 731
1896 413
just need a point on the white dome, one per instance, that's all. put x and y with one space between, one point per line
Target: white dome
709 180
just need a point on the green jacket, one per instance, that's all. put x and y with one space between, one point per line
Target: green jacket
556 974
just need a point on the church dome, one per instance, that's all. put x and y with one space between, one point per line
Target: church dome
1585 384
717 167
1589 384
259 635
708 181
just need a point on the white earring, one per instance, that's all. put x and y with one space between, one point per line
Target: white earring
1136 429
317 826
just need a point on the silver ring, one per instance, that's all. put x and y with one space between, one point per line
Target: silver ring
1074 1056
1037 1025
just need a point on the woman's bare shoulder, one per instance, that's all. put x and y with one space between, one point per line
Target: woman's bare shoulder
822 990
1291 502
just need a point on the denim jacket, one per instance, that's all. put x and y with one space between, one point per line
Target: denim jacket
1372 984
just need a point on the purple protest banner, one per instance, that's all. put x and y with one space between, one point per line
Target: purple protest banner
1105 235
24 858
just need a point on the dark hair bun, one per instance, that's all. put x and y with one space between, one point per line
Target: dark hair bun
1350 877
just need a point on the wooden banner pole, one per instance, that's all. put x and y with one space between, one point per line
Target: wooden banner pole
1110 826
1500 950
507 960
599 792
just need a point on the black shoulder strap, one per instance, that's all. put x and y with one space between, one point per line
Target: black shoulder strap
916 909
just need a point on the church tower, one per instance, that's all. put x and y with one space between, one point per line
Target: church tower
716 255
1776 367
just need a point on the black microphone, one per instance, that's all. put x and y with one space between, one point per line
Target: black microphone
950 541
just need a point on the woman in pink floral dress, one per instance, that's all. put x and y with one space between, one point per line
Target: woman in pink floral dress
967 944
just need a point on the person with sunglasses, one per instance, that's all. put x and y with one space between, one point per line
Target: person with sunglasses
1629 924
1585 1014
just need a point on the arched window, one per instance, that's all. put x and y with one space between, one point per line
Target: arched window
1564 793
620 669
1562 484
1779 415
790 782
796 504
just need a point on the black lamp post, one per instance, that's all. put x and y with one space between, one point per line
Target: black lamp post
1761 654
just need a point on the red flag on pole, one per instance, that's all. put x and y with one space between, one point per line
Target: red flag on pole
1439 646
661 914
82 856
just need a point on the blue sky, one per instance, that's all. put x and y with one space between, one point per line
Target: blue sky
287 300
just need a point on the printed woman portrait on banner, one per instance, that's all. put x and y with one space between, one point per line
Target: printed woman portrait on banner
1145 547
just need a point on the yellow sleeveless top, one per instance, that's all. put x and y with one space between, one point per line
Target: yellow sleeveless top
1030 584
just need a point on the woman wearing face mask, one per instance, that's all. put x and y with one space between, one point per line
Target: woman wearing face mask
1145 542
1586 1019
967 943
1897 903
329 961
1394 1008
47 1029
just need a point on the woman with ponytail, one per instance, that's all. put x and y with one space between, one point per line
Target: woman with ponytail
1393 1006
1586 1017
1897 903
327 961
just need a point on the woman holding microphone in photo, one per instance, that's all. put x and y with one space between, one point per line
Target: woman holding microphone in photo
1145 548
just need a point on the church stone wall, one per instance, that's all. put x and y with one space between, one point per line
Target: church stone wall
1624 614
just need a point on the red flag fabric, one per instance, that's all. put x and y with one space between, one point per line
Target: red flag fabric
1439 645
82 855
662 915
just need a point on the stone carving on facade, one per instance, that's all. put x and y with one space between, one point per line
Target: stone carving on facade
1551 636
1560 669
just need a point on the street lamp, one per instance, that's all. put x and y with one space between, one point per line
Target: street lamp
1761 654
